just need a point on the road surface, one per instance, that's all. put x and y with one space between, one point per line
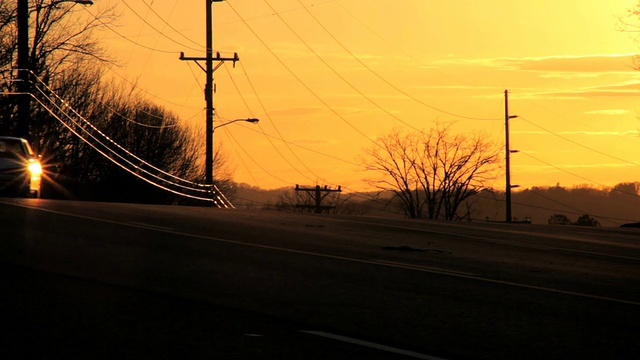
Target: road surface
97 280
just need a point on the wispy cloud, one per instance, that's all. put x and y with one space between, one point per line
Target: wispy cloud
559 167
608 112
624 89
565 65
601 133
590 166
580 132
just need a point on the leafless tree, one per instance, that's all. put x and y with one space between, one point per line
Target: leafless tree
432 173
60 41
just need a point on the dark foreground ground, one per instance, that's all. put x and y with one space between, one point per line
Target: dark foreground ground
47 316
111 281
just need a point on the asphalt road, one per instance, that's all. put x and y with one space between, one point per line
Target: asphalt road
96 280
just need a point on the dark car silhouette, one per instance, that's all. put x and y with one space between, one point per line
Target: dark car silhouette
20 168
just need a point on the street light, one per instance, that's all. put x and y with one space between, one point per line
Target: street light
249 120
24 99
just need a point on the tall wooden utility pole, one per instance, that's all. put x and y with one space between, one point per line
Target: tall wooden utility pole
208 91
508 152
318 194
24 67
24 99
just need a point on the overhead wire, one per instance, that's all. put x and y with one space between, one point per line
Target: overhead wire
110 68
110 28
98 131
264 109
195 77
137 169
133 48
159 32
578 211
201 48
340 76
248 155
635 140
307 87
272 144
296 77
304 147
255 180
579 176
395 46
271 14
387 81
611 219
557 202
577 143
281 138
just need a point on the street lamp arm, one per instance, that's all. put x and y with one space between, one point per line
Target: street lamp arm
249 120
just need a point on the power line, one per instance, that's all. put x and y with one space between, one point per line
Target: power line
578 176
255 180
271 14
273 123
303 147
256 162
394 45
159 32
249 109
140 167
134 85
125 37
611 219
338 74
170 26
385 80
580 123
579 144
300 80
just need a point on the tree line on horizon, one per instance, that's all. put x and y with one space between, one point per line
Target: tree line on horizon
579 205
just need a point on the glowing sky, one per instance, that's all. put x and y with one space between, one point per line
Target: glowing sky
326 77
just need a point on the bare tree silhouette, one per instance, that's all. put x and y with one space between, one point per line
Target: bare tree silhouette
432 173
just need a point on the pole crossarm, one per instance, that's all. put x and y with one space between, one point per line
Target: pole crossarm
219 58
318 194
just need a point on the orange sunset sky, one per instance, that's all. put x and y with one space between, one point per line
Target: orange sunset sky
327 77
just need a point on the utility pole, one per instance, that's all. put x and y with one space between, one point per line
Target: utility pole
24 100
508 152
24 67
318 194
208 91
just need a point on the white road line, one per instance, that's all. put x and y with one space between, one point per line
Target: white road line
344 258
150 227
371 345
423 268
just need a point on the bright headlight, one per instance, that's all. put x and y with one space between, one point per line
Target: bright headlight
35 168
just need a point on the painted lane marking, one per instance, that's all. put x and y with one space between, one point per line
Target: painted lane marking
422 268
371 345
150 226
343 258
